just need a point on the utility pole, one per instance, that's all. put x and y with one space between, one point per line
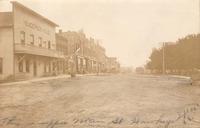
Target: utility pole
163 59
199 16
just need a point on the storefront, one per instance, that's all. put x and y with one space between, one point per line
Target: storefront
28 44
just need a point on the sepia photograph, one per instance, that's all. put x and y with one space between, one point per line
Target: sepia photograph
99 63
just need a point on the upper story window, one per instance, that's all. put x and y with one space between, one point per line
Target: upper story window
1 65
53 46
77 46
66 50
32 39
45 44
49 45
40 41
22 37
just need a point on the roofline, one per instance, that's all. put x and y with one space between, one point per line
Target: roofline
6 26
34 13
61 36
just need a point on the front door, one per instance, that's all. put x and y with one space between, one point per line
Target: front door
35 68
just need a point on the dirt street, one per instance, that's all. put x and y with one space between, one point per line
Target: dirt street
109 101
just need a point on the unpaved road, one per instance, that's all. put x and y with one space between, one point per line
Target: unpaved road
112 101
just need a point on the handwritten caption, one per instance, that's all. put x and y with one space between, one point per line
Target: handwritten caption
186 117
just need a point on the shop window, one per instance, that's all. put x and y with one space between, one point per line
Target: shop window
20 66
66 49
45 44
32 39
1 65
49 66
81 62
45 67
53 46
49 45
54 66
22 37
40 41
27 66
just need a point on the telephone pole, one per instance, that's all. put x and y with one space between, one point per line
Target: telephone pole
199 16
163 59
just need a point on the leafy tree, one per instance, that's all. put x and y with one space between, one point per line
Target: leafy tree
184 54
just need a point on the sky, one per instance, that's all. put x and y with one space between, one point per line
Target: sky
128 29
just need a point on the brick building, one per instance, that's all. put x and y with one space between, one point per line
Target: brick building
63 50
90 56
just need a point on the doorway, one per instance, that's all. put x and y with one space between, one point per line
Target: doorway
35 68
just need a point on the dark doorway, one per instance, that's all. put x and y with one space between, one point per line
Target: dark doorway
35 68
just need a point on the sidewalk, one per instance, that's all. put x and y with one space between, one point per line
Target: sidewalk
36 80
47 78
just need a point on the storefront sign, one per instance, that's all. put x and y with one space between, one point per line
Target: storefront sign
36 27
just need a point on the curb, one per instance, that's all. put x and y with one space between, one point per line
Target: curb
35 80
43 79
184 79
181 77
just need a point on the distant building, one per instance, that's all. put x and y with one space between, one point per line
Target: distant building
113 65
101 57
126 69
139 70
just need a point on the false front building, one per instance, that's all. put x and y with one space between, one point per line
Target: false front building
27 44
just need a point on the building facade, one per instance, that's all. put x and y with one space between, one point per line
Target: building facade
75 49
62 48
31 41
112 65
89 55
6 45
